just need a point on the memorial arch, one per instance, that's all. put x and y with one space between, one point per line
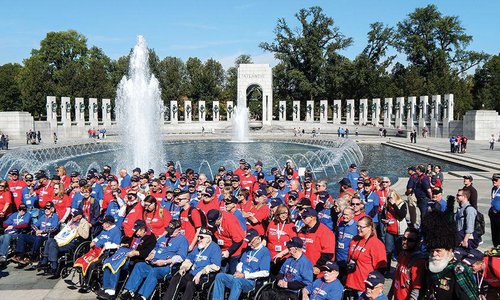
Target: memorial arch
257 75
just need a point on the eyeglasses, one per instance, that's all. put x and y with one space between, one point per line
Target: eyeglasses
181 199
409 239
385 181
356 204
361 227
495 180
4 186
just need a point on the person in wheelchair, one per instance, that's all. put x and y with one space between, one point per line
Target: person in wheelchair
326 288
133 249
254 263
74 232
109 239
295 274
171 248
203 260
47 226
14 225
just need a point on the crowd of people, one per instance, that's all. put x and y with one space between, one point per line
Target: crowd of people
458 144
249 225
97 134
33 137
4 141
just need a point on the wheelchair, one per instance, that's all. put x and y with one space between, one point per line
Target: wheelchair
162 285
204 289
261 284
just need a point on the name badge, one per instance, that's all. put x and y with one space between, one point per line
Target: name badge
341 246
220 242
277 248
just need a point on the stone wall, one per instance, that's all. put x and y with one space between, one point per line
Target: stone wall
15 123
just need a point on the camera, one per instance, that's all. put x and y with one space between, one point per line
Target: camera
351 266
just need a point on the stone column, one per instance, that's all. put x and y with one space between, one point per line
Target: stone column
337 111
387 112
411 112
66 111
435 115
296 111
375 111
174 112
282 111
188 111
230 110
423 112
202 111
106 112
51 108
162 114
448 104
80 112
216 111
93 116
363 111
323 111
350 112
310 111
400 108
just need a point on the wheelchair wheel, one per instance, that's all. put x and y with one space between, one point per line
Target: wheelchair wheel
265 287
81 250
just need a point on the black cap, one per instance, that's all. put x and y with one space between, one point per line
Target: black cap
251 234
49 204
144 176
367 182
174 224
139 224
205 232
292 195
151 171
74 174
437 190
281 179
78 212
289 171
330 266
14 172
352 166
40 175
307 179
231 199
170 163
304 202
345 182
210 191
135 178
183 176
108 219
496 176
412 168
260 193
192 183
82 182
374 278
273 169
138 170
235 178
274 202
469 177
258 163
323 196
212 216
222 168
473 256
243 161
309 212
295 242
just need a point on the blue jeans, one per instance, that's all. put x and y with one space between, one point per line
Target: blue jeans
110 280
24 239
5 243
391 246
52 250
236 285
229 264
152 274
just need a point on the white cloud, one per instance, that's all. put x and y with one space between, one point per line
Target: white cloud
262 58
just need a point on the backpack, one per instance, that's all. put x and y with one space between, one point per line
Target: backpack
479 223
203 218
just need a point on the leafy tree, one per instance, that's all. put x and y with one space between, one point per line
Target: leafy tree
305 50
486 85
173 78
10 94
231 84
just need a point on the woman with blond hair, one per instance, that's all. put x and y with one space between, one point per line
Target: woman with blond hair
65 179
280 230
395 223
62 202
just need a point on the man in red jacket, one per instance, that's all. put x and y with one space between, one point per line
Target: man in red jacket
16 186
319 241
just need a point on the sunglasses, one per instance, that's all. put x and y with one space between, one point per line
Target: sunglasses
361 227
495 180
356 204
409 239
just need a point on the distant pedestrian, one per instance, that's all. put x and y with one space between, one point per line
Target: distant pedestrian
202 130
414 136
39 136
384 132
347 133
411 137
380 132
492 142
55 138
356 132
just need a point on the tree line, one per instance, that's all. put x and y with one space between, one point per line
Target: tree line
426 53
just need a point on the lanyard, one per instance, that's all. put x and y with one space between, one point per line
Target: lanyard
320 289
251 257
278 232
495 193
359 252
200 253
18 219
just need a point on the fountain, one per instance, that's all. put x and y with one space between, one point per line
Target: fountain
138 113
240 124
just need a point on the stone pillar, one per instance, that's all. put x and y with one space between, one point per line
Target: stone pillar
411 112
350 112
282 111
216 111
230 110
422 106
66 111
80 112
51 111
337 111
296 111
93 116
400 108
387 112
106 113
310 111
363 111
174 112
202 111
435 115
481 124
163 109
375 111
448 104
188 111
323 111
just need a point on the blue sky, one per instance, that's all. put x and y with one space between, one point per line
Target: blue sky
215 29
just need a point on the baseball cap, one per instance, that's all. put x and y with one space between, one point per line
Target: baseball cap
242 161
309 212
496 176
367 182
74 174
205 232
273 169
231 199
295 242
468 177
138 170
210 191
28 177
281 179
289 171
353 166
212 216
139 224
78 212
49 204
437 190
304 202
260 193
258 163
251 234
222 168
292 195
330 266
183 176
192 183
307 179
235 178
135 178
174 224
374 278
275 202
169 190
345 181
108 219
144 176
150 171
170 163
412 168
14 172
473 256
